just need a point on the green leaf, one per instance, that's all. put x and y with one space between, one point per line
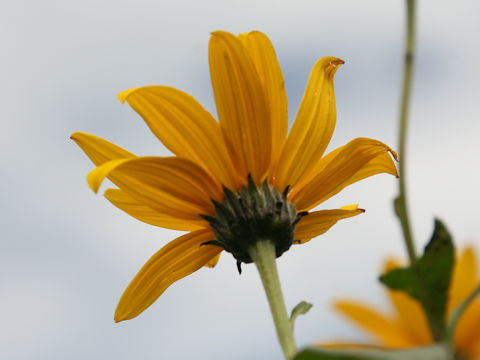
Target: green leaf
301 309
429 279
432 352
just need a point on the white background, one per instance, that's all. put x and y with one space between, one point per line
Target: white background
66 254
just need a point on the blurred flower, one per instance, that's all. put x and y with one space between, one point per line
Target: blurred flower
407 326
237 176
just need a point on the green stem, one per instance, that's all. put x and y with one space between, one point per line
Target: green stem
263 255
401 207
401 201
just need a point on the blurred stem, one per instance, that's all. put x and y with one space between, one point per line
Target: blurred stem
401 207
263 255
401 200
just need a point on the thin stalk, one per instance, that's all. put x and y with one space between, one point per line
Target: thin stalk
401 200
401 206
263 255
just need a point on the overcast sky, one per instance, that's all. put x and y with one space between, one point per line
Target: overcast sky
66 254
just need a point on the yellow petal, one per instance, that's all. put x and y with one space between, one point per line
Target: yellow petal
473 350
382 164
409 312
467 339
141 212
318 222
264 59
97 175
212 263
357 160
99 150
392 264
464 278
313 127
411 317
177 259
171 185
386 331
241 105
185 128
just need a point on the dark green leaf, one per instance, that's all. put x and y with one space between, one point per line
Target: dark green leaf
429 279
403 279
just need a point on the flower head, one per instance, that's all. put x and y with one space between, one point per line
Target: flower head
407 326
236 181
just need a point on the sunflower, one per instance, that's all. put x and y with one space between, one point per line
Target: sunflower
237 180
407 326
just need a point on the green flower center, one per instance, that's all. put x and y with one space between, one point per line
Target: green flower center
253 214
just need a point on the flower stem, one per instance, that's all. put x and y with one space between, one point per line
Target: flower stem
263 255
401 201
401 207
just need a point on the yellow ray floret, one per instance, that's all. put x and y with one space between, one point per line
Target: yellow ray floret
174 261
318 222
144 213
184 127
242 106
313 128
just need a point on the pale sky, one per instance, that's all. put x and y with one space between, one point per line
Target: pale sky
66 254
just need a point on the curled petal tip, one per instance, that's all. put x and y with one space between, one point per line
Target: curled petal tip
97 175
337 62
93 183
391 151
122 96
394 154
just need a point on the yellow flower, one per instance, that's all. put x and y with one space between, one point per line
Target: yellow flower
240 173
407 326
